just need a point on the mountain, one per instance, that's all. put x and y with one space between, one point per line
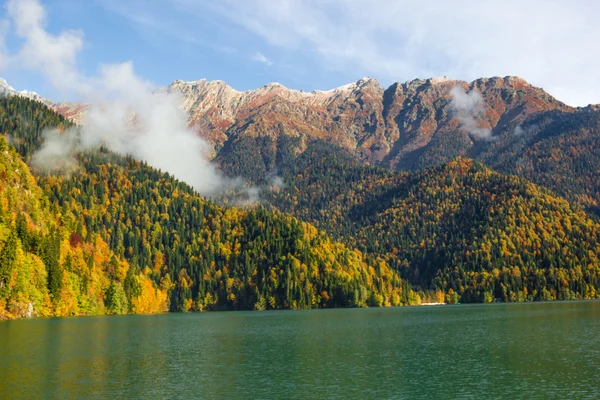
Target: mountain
124 237
506 123
406 126
458 226
70 110
427 124
169 247
227 117
382 126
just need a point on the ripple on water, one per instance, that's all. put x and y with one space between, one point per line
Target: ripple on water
541 350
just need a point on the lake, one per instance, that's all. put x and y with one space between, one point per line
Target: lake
536 350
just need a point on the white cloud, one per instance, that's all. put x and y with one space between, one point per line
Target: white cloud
260 57
125 113
468 108
54 55
57 152
551 43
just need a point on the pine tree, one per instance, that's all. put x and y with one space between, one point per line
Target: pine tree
8 257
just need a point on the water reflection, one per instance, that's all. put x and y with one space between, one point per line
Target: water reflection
548 350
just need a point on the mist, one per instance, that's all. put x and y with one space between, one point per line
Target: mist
126 114
468 108
57 152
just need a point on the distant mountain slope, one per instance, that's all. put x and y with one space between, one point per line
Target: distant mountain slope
430 127
461 226
70 110
382 126
558 150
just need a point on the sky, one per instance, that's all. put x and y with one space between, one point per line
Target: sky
320 44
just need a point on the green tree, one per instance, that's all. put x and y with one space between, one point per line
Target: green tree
116 300
8 258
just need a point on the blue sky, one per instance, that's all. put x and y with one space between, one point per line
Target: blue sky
323 44
164 43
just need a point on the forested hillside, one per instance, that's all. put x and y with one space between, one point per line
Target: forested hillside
23 121
115 235
51 266
199 254
218 257
557 150
459 226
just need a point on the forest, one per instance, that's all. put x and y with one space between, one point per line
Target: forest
114 235
459 226
117 236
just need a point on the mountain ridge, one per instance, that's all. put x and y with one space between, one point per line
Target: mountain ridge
210 88
382 125
457 232
69 109
407 126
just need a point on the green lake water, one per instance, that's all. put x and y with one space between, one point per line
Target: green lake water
539 350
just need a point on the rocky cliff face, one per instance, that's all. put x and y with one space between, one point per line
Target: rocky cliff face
406 126
351 115
70 110
397 127
424 126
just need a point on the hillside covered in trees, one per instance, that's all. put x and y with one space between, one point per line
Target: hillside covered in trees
190 253
47 268
115 235
460 226
557 150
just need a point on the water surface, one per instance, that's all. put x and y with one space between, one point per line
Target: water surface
540 350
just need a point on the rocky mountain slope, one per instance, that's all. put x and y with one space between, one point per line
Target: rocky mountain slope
71 110
387 127
507 123
404 126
